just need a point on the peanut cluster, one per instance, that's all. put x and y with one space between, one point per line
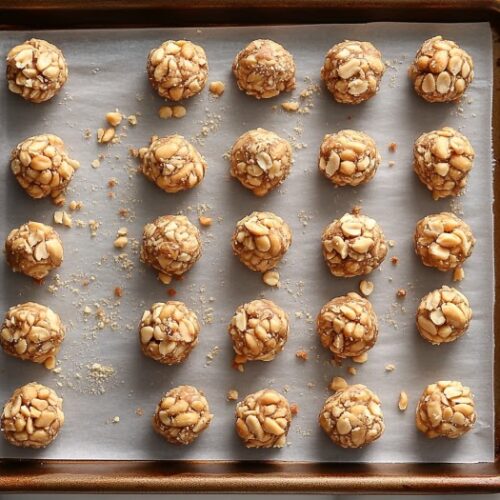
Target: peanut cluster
173 164
168 332
182 415
260 240
261 160
177 69
263 69
34 249
443 241
353 245
441 71
352 71
263 419
32 417
32 332
445 409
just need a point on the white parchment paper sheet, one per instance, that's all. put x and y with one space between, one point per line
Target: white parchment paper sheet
107 71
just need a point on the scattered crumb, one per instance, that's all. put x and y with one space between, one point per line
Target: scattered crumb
391 163
179 111
403 401
75 205
390 367
212 354
95 163
94 226
401 293
337 383
105 135
172 292
294 409
291 106
121 242
116 420
232 395
63 218
165 112
271 278
114 118
205 221
352 370
118 291
139 411
302 355
393 147
362 358
366 287
394 260
458 274
132 120
217 88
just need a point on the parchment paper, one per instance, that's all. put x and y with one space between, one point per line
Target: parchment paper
107 71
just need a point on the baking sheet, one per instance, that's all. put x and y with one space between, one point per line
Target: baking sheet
108 410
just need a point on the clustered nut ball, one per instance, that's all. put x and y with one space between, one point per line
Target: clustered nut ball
171 244
441 71
352 417
169 332
177 69
443 315
353 245
32 332
173 164
445 409
263 419
42 167
347 326
260 240
348 158
34 249
261 160
264 68
33 416
258 330
443 241
182 415
352 71
442 161
36 70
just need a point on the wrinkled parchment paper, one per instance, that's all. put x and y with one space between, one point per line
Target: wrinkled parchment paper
107 71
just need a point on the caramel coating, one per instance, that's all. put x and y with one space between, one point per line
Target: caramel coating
34 249
32 332
260 240
182 415
33 416
36 70
258 330
352 71
42 167
353 245
261 160
442 161
441 71
352 417
348 158
443 315
173 164
264 69
171 244
445 409
443 241
168 332
177 69
347 326
263 419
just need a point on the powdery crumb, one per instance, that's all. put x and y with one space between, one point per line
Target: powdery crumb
139 411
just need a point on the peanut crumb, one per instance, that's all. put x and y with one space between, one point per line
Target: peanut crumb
179 111
352 370
116 420
394 260
232 395
165 112
217 88
294 409
393 147
390 367
337 383
458 274
205 221
132 120
271 278
401 293
362 358
302 355
105 135
403 401
114 118
366 287
118 291
291 106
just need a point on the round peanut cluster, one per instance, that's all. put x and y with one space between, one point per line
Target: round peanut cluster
264 68
443 241
348 158
182 415
445 409
42 167
352 71
263 419
258 330
33 416
32 332
352 417
261 160
168 332
36 70
34 249
353 245
443 315
260 240
442 161
177 69
347 326
173 164
171 244
441 71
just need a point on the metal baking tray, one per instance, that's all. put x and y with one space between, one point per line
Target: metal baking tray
261 476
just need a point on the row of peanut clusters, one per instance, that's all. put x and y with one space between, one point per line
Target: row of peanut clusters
352 70
352 417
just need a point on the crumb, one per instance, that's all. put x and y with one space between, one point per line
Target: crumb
394 260
95 163
118 292
291 106
391 163
232 395
362 358
179 111
401 293
337 383
165 112
390 367
116 419
75 205
352 370
458 274
366 287
112 182
114 118
393 147
216 88
171 292
294 409
302 355
403 401
205 221
139 411
132 119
